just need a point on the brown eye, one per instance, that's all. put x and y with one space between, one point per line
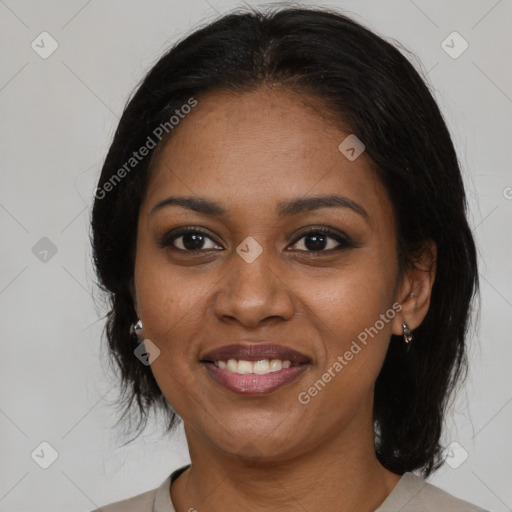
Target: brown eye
188 239
323 240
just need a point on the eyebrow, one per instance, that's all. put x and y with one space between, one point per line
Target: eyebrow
284 209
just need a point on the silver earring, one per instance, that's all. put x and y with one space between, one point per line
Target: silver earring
136 332
407 333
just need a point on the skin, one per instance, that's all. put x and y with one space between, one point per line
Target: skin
249 152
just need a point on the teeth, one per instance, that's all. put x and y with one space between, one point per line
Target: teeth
275 365
260 367
232 365
245 367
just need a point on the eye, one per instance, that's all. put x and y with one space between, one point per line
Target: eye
317 240
193 239
189 239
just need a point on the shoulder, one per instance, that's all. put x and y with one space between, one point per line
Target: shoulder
141 503
415 494
156 500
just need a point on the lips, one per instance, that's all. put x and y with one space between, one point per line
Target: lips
255 352
255 384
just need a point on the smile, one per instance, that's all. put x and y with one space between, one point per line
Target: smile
253 383
261 367
250 368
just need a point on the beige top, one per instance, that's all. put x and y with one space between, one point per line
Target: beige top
411 494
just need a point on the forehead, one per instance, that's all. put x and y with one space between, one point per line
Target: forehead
262 147
264 123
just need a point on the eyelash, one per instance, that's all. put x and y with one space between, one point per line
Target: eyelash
167 240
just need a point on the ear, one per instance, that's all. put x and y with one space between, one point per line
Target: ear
415 289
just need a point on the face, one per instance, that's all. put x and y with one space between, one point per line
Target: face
312 279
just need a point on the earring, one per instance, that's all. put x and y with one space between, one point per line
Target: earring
136 333
407 333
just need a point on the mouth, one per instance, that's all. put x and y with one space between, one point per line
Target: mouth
255 369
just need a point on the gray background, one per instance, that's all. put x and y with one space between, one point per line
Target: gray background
58 118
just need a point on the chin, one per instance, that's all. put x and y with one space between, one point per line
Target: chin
257 446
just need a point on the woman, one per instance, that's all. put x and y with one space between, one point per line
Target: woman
281 225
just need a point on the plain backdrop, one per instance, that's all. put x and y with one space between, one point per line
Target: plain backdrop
58 115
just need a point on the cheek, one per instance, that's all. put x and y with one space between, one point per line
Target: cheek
169 300
347 309
355 294
172 314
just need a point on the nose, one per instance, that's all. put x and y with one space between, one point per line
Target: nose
253 293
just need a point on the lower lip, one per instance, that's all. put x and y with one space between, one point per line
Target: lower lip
252 383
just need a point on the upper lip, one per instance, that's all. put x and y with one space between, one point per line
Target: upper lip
255 352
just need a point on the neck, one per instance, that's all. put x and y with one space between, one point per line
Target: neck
341 474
